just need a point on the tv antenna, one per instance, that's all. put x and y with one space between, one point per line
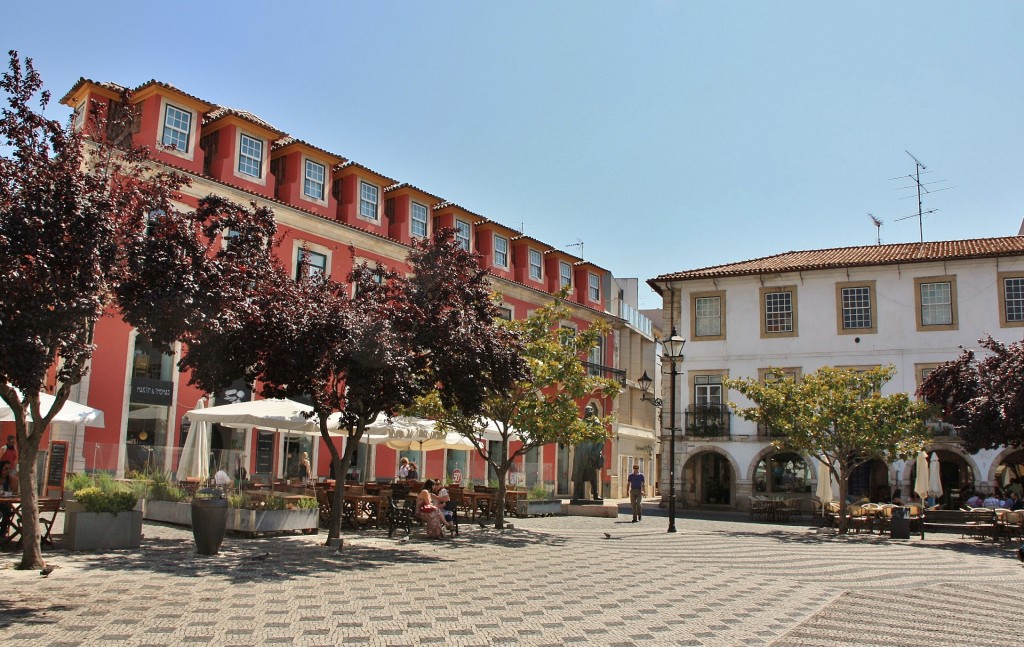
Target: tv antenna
578 243
878 228
922 187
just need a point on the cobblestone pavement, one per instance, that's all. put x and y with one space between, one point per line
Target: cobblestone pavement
548 581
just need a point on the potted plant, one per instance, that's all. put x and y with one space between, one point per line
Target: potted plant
103 515
167 502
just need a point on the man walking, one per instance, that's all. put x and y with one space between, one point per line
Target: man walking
636 493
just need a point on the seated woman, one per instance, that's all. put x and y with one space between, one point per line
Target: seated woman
7 484
429 513
442 499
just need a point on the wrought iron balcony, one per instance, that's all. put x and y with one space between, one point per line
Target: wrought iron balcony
600 370
707 420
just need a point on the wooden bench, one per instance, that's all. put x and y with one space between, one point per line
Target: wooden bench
965 521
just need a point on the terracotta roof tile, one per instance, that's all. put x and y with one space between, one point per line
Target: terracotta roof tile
223 111
171 87
351 164
841 257
288 140
404 185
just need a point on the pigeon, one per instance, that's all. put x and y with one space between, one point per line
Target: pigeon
607 535
262 557
47 570
404 539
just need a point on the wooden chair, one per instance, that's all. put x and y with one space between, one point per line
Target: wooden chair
400 517
323 499
51 506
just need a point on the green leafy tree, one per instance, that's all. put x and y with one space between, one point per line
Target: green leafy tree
541 408
983 399
838 416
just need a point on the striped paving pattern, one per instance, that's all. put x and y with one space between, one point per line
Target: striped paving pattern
550 581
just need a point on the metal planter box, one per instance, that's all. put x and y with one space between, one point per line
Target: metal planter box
101 530
261 521
169 512
538 507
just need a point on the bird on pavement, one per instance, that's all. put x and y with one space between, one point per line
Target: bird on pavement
607 535
262 557
47 570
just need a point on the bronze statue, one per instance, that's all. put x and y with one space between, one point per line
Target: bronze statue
588 459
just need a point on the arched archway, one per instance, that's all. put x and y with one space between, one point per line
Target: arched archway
956 474
1008 465
781 471
709 477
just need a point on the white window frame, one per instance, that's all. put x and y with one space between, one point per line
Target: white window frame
536 268
564 274
501 251
366 206
413 221
463 234
707 323
594 287
189 153
174 130
245 157
297 249
308 181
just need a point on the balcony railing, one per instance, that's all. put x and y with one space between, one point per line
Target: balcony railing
600 370
707 420
939 429
635 319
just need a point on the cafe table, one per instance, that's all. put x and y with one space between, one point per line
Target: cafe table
479 500
361 509
14 533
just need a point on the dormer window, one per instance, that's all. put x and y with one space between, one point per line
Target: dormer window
536 265
462 234
368 200
177 128
250 156
419 220
500 251
564 274
313 185
594 286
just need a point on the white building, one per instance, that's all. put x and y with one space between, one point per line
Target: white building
911 305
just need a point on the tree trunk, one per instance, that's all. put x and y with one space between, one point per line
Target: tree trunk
28 450
842 523
501 467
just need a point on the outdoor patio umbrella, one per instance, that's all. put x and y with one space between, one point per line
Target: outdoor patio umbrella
934 477
72 412
274 413
195 455
921 479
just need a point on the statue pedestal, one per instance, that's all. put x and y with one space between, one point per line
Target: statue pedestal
591 508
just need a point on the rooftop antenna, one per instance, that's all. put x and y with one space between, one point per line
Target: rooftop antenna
922 187
578 243
878 228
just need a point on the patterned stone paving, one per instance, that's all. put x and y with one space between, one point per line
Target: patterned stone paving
550 581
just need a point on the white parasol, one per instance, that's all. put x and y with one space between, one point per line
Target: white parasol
195 454
934 477
824 491
72 412
921 479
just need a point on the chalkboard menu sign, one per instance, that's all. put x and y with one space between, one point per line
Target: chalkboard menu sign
265 452
57 465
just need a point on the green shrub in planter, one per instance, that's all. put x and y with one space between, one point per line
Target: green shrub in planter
95 499
538 492
306 503
79 481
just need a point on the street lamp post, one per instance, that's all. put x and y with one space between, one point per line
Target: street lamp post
673 353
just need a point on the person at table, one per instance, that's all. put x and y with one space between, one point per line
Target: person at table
429 513
992 501
975 501
897 497
403 468
441 498
305 469
636 493
8 484
1013 501
10 454
414 472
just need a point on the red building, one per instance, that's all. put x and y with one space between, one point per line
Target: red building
323 203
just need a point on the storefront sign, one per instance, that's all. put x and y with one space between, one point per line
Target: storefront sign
145 391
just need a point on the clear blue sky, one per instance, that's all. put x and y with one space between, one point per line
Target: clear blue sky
665 135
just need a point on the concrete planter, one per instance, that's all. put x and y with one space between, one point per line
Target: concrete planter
169 512
260 521
101 530
538 507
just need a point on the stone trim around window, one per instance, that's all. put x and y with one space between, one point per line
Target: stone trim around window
872 305
693 315
954 323
763 310
1004 316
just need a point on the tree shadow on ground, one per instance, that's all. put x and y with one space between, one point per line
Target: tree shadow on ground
955 544
288 557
